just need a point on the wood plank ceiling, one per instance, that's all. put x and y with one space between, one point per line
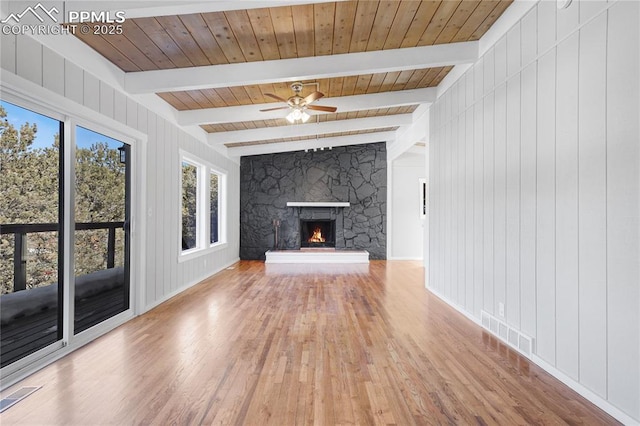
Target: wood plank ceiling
298 31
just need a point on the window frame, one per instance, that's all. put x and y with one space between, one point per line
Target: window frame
222 220
199 207
203 209
71 113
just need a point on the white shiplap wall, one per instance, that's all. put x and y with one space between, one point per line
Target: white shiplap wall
164 275
534 196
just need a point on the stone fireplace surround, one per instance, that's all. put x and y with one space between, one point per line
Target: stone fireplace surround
355 174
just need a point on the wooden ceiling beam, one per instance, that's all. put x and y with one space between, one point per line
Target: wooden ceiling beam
310 68
311 144
343 103
310 129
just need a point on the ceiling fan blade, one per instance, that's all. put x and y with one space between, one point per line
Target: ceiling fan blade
312 97
276 97
274 109
322 108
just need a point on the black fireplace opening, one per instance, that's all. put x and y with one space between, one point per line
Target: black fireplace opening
317 233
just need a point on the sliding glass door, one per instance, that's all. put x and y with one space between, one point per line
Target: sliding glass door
31 235
101 250
48 295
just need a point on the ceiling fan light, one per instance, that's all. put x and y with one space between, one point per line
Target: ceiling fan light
304 116
297 114
290 118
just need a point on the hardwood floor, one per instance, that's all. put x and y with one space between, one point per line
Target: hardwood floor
300 344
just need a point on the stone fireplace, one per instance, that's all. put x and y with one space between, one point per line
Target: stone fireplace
353 177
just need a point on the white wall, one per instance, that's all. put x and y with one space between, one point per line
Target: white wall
534 202
165 276
406 241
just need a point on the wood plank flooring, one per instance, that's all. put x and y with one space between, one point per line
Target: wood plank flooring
300 344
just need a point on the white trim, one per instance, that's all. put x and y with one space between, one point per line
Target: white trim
306 68
222 207
26 94
511 16
203 210
389 219
458 308
312 144
310 129
200 209
318 204
90 61
191 283
12 84
69 259
410 135
579 388
595 399
195 253
326 257
419 259
343 103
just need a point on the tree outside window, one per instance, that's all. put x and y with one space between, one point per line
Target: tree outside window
189 206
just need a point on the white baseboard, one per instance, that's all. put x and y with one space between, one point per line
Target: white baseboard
595 399
458 308
404 258
188 285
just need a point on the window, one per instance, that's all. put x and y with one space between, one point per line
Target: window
189 206
214 198
202 207
31 238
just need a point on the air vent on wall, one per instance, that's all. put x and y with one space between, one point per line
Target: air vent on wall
514 338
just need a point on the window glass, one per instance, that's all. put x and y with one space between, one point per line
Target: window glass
30 237
101 262
214 207
189 206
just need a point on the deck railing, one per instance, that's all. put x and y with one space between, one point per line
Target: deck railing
20 232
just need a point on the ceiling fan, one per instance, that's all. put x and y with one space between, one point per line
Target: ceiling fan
298 105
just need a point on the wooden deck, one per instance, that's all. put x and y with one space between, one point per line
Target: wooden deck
308 344
28 334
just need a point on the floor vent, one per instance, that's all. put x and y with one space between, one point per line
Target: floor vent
17 396
514 338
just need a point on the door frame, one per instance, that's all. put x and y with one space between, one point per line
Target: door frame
24 93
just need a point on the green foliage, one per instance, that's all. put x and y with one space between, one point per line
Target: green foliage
100 194
189 205
29 194
214 202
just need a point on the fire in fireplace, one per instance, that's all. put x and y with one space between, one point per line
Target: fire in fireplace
317 233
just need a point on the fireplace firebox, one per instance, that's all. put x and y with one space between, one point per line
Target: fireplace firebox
317 233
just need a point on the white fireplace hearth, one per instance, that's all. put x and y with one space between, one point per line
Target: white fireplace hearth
327 256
